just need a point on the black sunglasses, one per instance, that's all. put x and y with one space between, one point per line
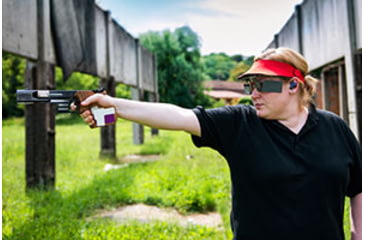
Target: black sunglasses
262 85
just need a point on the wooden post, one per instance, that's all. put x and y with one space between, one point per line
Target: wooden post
153 98
138 130
137 94
40 130
107 133
40 117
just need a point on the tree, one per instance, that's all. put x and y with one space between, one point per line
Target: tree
237 58
218 65
178 64
13 78
240 68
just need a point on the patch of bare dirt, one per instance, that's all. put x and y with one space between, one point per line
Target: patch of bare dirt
134 158
131 159
145 213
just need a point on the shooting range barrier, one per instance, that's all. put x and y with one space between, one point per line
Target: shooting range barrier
328 33
77 36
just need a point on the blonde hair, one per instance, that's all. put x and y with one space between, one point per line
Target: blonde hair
307 89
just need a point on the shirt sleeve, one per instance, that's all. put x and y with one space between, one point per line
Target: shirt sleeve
355 183
219 127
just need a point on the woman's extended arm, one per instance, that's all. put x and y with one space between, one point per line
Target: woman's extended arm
155 115
356 222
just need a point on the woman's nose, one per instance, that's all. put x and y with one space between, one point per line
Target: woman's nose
255 93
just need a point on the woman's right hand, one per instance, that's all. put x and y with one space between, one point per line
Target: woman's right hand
100 100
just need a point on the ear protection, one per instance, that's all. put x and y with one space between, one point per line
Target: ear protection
293 85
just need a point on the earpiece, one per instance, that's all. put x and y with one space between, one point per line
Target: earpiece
293 85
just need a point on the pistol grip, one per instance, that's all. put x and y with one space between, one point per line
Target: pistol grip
102 116
81 96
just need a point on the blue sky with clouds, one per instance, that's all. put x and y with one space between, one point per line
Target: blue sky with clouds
231 26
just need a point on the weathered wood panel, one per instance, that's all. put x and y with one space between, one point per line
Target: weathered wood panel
147 73
323 37
358 22
20 27
289 35
101 23
123 56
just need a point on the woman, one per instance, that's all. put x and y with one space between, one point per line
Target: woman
291 165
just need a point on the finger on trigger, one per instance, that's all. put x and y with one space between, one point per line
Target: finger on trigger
73 106
85 114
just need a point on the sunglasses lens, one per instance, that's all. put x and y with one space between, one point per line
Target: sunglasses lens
258 85
247 89
271 86
262 86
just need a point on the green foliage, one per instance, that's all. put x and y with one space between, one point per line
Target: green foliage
77 81
123 91
81 81
180 72
237 58
218 65
240 67
12 79
246 100
219 103
237 70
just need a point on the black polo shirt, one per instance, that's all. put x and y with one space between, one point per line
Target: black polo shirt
284 185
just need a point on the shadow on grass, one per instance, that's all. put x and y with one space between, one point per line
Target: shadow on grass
62 217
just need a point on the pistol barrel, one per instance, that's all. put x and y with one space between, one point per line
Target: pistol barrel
44 95
31 96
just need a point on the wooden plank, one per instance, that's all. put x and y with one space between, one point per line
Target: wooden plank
288 36
19 27
49 49
101 44
358 22
147 70
122 52
323 31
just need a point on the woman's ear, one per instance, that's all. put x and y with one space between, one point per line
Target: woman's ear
293 85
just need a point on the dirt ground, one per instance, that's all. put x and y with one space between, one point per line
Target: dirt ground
145 213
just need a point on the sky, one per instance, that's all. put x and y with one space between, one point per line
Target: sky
231 26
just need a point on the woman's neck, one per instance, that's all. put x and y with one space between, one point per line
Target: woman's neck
297 120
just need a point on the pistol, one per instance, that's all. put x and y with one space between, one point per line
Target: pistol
63 99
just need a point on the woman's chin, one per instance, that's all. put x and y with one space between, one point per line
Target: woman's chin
261 113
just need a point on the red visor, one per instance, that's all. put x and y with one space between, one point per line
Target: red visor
273 68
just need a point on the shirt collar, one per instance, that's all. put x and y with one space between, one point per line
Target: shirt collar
311 122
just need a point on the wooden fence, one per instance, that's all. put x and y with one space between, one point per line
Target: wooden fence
76 35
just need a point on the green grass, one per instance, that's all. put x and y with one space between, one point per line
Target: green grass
197 184
83 188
